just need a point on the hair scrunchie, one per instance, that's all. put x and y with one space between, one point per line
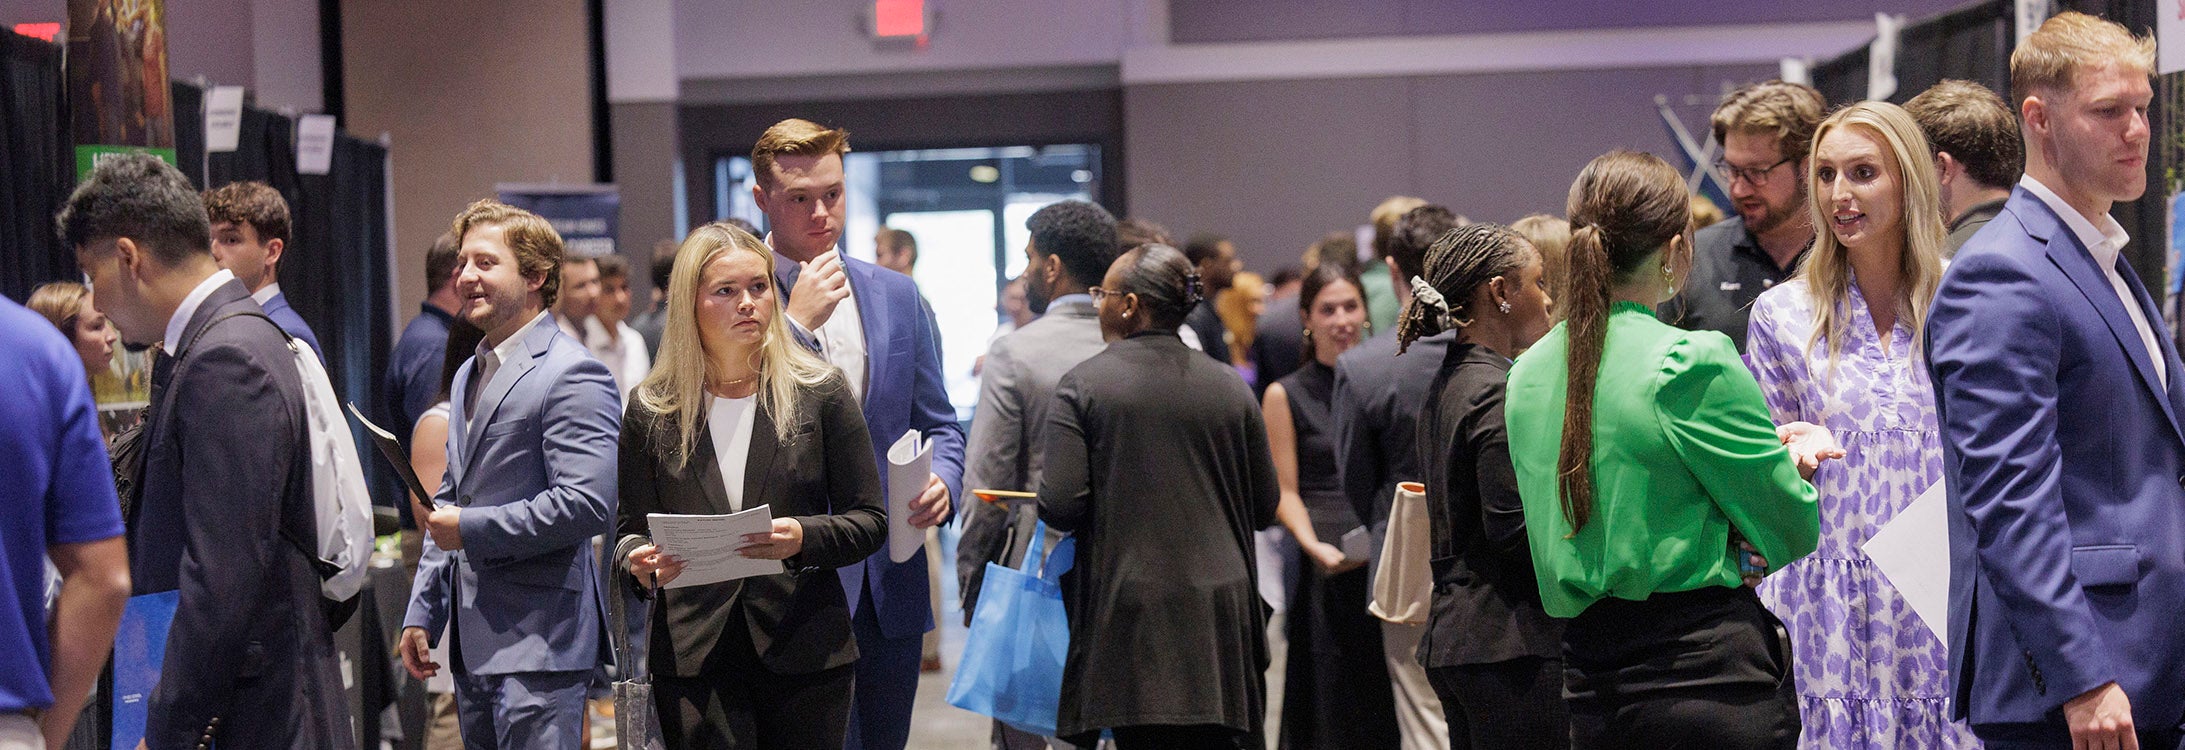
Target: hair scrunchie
1425 293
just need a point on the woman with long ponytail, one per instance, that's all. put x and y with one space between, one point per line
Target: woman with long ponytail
1642 453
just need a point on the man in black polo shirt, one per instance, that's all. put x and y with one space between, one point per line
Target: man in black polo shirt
1766 130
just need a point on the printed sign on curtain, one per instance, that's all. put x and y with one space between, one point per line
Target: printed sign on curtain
585 215
118 94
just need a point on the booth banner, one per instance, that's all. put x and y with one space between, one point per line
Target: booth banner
119 100
585 215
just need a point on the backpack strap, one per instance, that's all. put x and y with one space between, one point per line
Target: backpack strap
324 569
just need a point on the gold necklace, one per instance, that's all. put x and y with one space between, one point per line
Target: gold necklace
723 385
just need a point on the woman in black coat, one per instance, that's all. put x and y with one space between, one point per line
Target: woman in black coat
1492 654
735 416
1157 460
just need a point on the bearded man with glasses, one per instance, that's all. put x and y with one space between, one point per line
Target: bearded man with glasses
1766 131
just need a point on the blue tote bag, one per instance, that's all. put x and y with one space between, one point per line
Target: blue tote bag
1012 663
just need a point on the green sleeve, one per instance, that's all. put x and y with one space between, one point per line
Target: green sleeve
1716 419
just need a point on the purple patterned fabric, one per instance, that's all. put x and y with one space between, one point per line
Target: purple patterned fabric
1870 673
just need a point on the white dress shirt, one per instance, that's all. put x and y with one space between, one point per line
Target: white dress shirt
489 364
2104 241
188 308
623 354
841 338
730 421
267 293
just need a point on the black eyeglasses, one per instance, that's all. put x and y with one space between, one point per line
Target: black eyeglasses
1751 176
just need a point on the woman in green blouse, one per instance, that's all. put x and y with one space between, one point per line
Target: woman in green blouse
1634 497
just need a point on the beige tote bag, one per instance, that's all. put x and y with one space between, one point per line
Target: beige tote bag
1403 585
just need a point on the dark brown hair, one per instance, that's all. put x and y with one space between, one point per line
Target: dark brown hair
442 260
254 203
1457 264
1974 126
1308 293
1623 208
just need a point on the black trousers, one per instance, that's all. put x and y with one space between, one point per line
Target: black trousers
1515 704
1694 669
1166 737
736 702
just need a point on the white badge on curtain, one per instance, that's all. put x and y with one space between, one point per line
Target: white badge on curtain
1881 57
223 118
315 144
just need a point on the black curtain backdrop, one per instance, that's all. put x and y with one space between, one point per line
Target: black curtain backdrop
35 165
335 271
1974 43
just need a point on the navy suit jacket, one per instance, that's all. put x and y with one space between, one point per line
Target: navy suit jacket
2063 458
535 475
277 308
227 473
903 391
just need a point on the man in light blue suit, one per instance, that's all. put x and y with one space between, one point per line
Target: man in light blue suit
872 323
2060 400
532 432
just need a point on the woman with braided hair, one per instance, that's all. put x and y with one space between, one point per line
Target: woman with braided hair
1492 654
1157 461
1336 686
1640 450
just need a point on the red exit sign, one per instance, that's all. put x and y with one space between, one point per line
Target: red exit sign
46 31
902 20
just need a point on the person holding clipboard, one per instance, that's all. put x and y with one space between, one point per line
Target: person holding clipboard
735 416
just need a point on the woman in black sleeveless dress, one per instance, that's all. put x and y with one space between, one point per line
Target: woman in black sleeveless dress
1335 692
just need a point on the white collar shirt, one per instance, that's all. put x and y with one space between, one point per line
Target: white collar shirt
2105 241
188 308
264 295
841 338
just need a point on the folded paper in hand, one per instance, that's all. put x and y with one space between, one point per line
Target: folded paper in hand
1912 551
910 467
707 545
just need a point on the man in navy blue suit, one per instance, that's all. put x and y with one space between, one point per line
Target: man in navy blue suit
249 237
225 488
873 324
2060 401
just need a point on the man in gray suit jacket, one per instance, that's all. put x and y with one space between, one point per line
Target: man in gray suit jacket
1073 242
532 465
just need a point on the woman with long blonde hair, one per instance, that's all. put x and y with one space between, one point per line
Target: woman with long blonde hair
1839 346
737 416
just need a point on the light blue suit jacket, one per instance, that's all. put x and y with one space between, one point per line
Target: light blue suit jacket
903 391
2064 460
535 476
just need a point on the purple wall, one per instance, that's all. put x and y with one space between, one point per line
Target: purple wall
1275 164
1192 21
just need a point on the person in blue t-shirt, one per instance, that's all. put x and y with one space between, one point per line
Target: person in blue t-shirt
58 503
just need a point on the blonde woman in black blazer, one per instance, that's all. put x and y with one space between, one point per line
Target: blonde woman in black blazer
761 662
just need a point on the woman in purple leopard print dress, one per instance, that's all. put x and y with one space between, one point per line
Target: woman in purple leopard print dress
1839 346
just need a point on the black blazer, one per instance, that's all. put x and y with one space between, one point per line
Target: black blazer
823 476
227 473
1486 605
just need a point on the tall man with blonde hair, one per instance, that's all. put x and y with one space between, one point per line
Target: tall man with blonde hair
2060 405
875 326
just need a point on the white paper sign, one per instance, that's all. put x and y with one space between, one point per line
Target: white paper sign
1912 552
1881 59
223 118
1794 70
910 466
315 144
2169 37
